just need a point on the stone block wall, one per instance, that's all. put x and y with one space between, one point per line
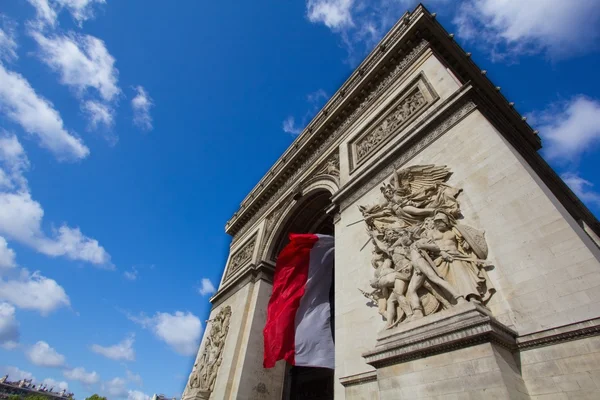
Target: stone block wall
563 371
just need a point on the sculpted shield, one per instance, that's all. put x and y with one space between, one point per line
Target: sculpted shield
475 238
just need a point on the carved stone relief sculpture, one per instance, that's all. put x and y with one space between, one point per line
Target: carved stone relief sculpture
202 379
424 259
411 103
397 118
241 257
331 167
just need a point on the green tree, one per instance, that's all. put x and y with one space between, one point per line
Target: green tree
95 397
14 397
36 397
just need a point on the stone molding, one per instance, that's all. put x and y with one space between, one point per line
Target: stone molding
263 271
561 334
406 150
410 103
448 330
359 379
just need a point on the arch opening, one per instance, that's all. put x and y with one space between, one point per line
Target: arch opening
308 216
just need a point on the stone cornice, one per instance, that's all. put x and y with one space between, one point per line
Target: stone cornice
564 333
393 49
252 273
458 328
359 379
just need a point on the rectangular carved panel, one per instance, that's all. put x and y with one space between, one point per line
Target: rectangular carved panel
407 106
241 257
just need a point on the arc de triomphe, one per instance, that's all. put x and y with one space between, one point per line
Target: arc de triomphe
464 266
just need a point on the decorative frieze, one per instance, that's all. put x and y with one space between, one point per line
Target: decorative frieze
408 105
399 117
242 256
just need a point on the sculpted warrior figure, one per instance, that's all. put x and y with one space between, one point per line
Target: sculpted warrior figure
202 379
461 265
423 259
393 271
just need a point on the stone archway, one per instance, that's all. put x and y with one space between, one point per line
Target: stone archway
308 215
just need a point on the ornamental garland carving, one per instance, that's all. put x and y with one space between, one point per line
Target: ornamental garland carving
202 379
365 102
397 118
424 259
242 256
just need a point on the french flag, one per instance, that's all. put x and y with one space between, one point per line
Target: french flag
298 327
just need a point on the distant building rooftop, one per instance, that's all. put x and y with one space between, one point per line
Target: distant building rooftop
25 387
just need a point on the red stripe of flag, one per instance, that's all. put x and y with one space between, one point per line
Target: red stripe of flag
291 273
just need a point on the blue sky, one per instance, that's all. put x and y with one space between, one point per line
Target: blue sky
131 130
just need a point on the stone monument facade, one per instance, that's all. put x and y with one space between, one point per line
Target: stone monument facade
464 267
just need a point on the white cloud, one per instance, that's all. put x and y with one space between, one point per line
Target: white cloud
42 355
515 26
45 14
9 327
360 24
315 101
47 10
135 378
569 128
7 256
36 115
99 114
21 216
81 375
82 61
115 387
34 292
582 188
335 14
16 374
206 287
141 105
8 45
131 275
71 243
120 351
137 395
181 331
13 162
56 385
289 126
81 10
317 98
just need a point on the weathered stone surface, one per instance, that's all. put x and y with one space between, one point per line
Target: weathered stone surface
418 134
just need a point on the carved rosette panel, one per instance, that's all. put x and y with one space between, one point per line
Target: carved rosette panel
202 379
241 257
424 258
407 106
